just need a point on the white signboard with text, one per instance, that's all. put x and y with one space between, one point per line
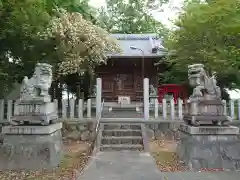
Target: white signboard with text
123 99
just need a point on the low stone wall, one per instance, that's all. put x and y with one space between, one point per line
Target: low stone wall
156 129
84 129
163 130
79 130
168 129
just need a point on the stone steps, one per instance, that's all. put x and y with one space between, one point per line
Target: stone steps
122 126
119 109
121 147
121 136
122 132
122 140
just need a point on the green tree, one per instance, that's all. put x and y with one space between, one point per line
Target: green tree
78 44
21 46
208 33
20 22
133 16
81 6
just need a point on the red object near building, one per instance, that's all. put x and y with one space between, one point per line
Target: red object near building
176 90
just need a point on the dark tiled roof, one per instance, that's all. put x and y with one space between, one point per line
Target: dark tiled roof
150 44
134 36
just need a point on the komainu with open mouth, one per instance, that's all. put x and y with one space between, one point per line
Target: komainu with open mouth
205 103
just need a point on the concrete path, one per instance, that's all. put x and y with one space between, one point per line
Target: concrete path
121 165
201 175
127 165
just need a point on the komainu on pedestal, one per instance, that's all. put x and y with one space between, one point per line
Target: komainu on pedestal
37 145
206 139
205 105
34 105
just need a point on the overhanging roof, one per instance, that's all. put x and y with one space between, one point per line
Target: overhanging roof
150 44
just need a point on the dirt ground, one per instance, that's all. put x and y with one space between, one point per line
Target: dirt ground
164 152
76 154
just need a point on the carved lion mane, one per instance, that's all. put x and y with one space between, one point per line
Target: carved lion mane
38 84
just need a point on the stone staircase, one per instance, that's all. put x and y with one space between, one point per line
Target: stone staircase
121 136
123 112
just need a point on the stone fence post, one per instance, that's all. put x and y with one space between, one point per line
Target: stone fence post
146 98
98 97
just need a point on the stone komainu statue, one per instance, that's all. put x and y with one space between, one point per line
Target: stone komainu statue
35 106
205 103
205 86
38 85
152 90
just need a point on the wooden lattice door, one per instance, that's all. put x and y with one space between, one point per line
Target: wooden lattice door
124 85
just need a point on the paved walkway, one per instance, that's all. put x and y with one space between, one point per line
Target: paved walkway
140 166
122 165
201 176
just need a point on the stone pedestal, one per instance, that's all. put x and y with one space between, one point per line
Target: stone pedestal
204 111
31 147
35 112
209 147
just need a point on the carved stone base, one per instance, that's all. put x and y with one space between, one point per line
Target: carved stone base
206 111
40 99
197 120
35 113
31 147
209 147
209 130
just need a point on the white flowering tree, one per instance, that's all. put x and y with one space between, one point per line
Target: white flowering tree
80 43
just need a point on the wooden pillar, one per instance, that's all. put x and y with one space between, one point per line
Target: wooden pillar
135 79
143 67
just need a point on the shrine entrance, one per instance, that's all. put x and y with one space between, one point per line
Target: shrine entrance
123 78
124 85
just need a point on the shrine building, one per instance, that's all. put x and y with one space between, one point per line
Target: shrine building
124 72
